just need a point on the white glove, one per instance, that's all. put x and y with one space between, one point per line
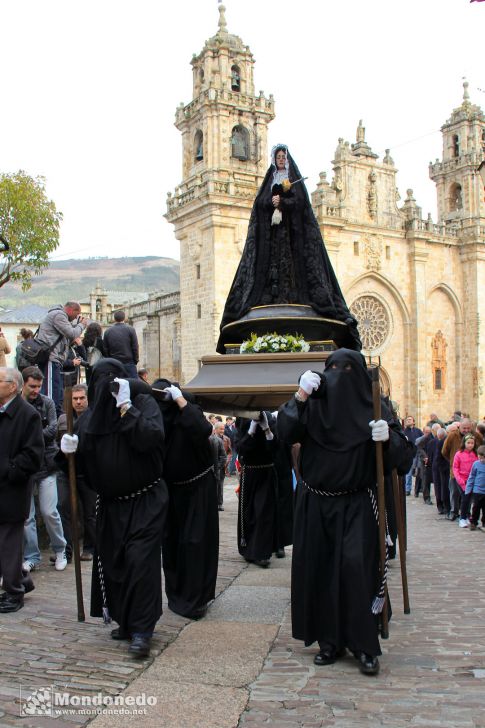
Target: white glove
253 427
310 381
380 430
173 391
275 414
123 395
263 421
69 444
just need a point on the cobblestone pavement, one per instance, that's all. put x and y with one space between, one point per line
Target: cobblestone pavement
432 667
240 667
44 645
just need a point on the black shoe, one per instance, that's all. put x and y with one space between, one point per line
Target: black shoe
118 634
263 563
220 508
28 584
408 493
140 646
11 603
280 554
368 665
428 502
328 655
453 517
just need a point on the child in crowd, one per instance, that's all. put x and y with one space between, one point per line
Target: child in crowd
475 487
462 465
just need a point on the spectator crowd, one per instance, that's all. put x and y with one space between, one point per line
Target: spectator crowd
450 458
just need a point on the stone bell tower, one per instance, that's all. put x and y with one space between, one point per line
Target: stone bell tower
459 188
461 208
224 140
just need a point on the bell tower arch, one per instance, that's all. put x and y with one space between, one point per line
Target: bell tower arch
224 144
458 186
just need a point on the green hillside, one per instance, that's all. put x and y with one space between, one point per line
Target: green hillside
74 279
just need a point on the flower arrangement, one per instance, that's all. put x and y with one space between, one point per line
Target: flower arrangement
272 343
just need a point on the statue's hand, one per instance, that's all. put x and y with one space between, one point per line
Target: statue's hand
275 200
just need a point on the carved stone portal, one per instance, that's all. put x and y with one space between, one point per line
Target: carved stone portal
373 251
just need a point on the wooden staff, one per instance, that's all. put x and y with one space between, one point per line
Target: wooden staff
381 498
402 540
74 512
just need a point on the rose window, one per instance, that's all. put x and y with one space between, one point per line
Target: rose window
373 322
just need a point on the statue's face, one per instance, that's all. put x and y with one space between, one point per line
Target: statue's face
280 159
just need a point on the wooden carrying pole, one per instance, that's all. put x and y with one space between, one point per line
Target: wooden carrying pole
402 539
74 512
381 500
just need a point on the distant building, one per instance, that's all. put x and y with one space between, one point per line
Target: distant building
25 317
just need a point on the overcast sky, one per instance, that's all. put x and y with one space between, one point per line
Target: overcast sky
89 92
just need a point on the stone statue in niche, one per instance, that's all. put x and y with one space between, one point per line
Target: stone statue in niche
372 252
372 195
438 358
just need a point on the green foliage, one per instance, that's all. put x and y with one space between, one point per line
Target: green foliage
30 223
273 343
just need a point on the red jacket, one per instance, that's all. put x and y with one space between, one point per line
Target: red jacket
462 464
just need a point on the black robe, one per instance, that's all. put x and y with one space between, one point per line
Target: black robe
286 263
284 472
126 575
335 565
190 544
257 523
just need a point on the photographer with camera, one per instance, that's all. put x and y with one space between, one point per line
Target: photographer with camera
61 326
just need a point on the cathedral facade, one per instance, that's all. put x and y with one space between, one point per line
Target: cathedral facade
414 285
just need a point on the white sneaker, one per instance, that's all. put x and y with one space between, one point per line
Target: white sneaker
463 523
29 566
61 561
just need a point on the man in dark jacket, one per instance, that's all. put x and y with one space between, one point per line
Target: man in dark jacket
121 343
412 433
44 478
425 473
21 453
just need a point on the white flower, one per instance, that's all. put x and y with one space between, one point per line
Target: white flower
275 346
243 347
